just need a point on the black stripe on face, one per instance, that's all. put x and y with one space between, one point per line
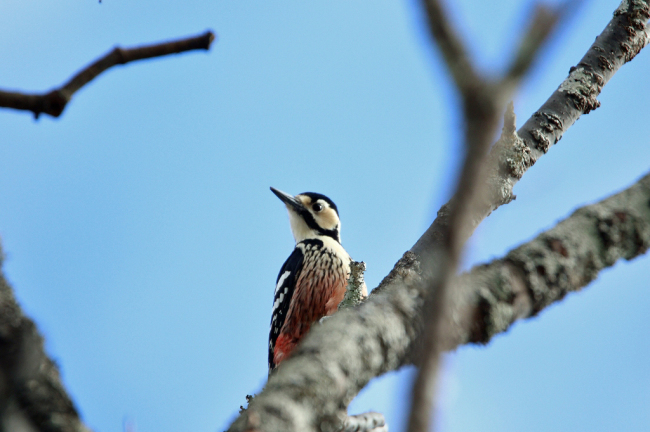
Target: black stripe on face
311 223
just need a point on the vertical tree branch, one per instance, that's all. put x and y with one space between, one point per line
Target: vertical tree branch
482 104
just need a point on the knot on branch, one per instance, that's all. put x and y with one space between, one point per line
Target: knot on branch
499 299
249 399
583 86
636 12
354 292
624 235
512 153
53 104
635 9
509 159
545 265
549 123
119 57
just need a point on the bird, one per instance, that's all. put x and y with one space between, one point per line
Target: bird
313 280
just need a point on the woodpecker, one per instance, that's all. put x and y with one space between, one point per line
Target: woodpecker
313 280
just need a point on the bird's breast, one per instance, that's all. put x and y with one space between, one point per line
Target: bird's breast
321 284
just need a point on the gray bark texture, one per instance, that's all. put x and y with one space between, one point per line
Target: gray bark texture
32 396
538 273
312 389
356 286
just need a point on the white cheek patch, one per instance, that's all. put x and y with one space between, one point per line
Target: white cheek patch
328 218
284 276
299 227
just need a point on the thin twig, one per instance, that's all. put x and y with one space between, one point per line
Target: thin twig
544 20
451 46
54 102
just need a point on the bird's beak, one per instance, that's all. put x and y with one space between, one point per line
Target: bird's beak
290 201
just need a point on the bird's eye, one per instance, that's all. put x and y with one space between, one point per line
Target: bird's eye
317 207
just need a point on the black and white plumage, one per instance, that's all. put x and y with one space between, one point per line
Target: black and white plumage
313 280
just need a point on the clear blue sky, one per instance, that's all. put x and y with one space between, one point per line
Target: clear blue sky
142 237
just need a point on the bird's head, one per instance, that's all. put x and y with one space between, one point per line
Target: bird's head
311 215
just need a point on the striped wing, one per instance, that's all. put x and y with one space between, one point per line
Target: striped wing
284 289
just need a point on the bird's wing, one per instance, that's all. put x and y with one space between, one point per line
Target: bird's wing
284 290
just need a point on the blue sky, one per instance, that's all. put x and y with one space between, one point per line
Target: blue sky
141 235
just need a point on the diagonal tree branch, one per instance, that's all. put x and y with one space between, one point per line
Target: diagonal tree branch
623 38
54 102
311 390
561 260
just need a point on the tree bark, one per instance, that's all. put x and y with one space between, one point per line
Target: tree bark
32 396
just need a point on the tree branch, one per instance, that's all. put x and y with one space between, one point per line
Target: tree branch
356 286
623 38
451 46
544 21
311 389
32 391
54 102
561 260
